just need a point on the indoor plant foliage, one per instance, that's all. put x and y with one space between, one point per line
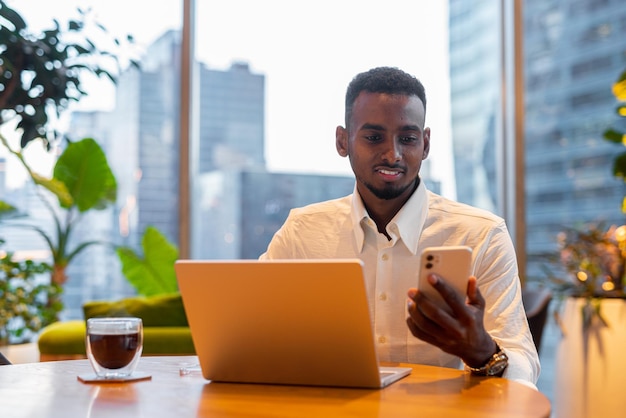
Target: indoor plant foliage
153 272
617 135
40 73
594 258
40 77
82 180
24 300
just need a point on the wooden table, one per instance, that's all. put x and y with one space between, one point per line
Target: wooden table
51 389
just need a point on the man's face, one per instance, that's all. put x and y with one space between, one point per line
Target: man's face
386 142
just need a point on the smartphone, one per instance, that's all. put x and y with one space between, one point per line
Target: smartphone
452 263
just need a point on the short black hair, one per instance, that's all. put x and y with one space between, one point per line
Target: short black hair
388 80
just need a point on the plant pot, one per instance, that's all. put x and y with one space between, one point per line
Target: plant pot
591 365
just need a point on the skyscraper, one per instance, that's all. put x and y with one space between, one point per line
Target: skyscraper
475 71
231 132
573 51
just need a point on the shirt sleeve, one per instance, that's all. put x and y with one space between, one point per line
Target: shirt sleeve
283 242
505 317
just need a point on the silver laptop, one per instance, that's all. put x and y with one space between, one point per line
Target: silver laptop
293 322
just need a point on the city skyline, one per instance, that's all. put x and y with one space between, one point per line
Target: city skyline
307 76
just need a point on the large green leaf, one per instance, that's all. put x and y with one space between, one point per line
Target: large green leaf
84 169
619 166
152 274
55 186
614 136
7 210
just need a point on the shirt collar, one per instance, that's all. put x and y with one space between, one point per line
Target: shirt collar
359 215
409 220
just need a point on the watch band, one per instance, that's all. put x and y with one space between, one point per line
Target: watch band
494 366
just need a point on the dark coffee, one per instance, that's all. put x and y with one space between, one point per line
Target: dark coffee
114 351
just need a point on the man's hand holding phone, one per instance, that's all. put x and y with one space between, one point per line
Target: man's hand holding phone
447 309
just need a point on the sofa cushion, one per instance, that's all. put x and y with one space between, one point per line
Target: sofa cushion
155 311
66 339
63 337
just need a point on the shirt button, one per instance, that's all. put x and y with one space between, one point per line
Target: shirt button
385 257
383 296
382 340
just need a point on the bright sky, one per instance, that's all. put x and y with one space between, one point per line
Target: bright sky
308 52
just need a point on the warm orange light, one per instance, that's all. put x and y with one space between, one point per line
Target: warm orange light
582 276
608 286
620 233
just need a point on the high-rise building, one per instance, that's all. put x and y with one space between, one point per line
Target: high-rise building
475 68
240 210
231 128
574 52
232 118
155 91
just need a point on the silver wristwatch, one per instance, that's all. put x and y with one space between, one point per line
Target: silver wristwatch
494 366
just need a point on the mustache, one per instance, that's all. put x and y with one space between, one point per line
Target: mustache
391 166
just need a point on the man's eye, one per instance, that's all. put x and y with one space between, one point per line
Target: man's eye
408 139
372 138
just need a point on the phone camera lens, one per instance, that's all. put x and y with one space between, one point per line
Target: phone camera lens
429 265
430 257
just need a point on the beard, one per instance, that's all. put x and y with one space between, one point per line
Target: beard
389 191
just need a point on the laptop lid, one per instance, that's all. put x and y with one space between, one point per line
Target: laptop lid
300 322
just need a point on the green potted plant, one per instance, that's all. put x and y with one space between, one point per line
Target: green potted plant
24 305
593 258
40 76
82 181
24 299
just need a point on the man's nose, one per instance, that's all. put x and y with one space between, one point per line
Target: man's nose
392 151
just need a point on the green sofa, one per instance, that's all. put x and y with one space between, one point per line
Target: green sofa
166 331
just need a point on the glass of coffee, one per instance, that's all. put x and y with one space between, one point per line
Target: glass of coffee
114 346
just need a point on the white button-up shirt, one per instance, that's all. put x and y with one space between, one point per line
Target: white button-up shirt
342 228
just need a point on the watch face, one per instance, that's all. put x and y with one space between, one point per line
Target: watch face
497 366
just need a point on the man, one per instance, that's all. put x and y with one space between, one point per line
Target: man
390 218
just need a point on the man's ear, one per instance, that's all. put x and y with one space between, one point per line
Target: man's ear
341 141
426 143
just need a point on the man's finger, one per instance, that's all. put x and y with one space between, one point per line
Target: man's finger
473 293
449 294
